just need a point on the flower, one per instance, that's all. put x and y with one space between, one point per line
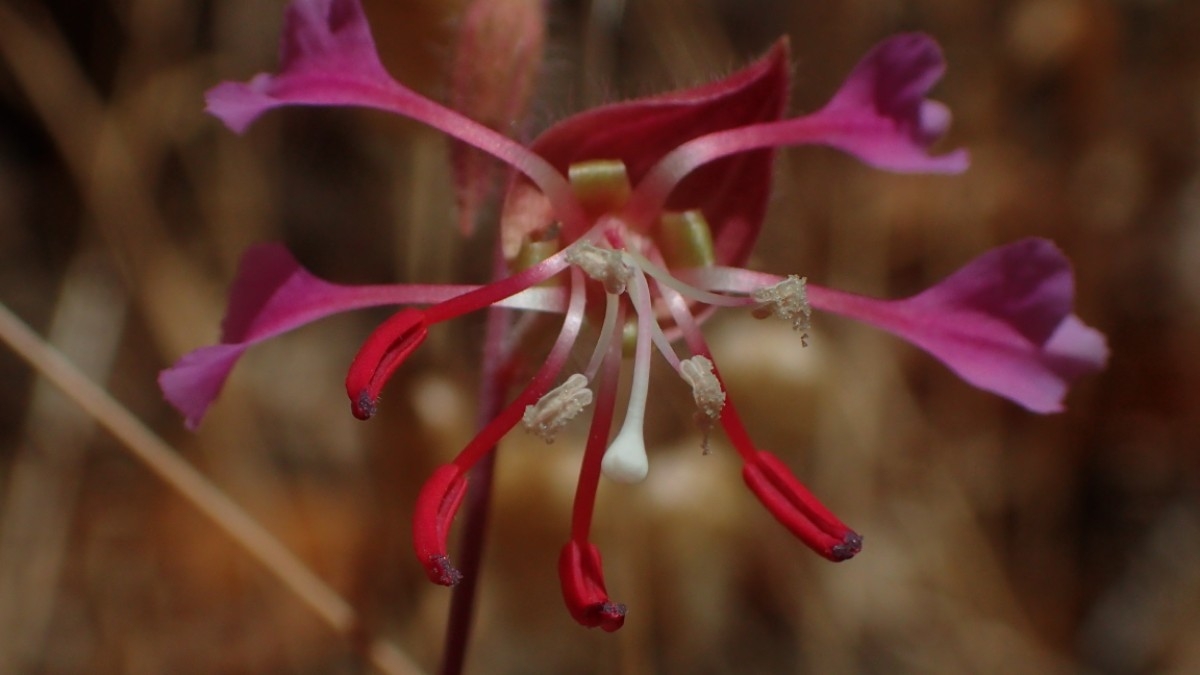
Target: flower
643 213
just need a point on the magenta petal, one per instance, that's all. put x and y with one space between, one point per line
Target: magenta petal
193 383
271 295
1003 322
327 52
881 115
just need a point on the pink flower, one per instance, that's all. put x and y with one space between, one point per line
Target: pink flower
644 212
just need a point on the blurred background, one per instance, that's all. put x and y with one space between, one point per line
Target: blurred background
996 540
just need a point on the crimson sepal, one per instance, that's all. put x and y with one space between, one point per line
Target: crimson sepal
732 192
798 510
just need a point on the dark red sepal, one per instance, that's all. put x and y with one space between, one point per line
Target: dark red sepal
436 506
793 505
583 587
379 357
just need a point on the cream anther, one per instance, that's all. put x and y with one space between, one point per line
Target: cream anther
706 388
602 264
557 407
787 299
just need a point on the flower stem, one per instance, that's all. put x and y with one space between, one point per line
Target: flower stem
494 384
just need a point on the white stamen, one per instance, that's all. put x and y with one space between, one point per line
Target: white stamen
612 313
787 300
640 295
602 264
557 407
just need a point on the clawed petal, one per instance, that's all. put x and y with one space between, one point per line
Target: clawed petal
326 46
271 295
1003 322
193 383
329 59
881 115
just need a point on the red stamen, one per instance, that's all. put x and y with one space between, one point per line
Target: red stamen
436 506
384 351
582 579
798 510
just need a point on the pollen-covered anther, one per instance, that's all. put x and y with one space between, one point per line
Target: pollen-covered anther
786 300
558 407
706 391
602 264
706 388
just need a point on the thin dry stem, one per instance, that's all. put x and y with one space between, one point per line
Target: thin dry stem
161 459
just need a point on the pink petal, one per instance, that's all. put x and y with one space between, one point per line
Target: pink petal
732 192
1003 322
326 50
881 115
329 59
271 295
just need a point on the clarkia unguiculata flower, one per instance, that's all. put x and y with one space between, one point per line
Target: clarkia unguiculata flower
641 216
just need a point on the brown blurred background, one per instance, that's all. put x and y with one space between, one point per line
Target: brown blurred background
996 540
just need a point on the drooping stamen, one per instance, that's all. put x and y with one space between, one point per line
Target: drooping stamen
440 498
435 508
557 407
579 565
784 496
383 352
583 589
508 418
787 300
798 510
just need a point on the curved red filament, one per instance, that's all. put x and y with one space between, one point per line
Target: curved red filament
798 510
436 506
385 350
583 587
